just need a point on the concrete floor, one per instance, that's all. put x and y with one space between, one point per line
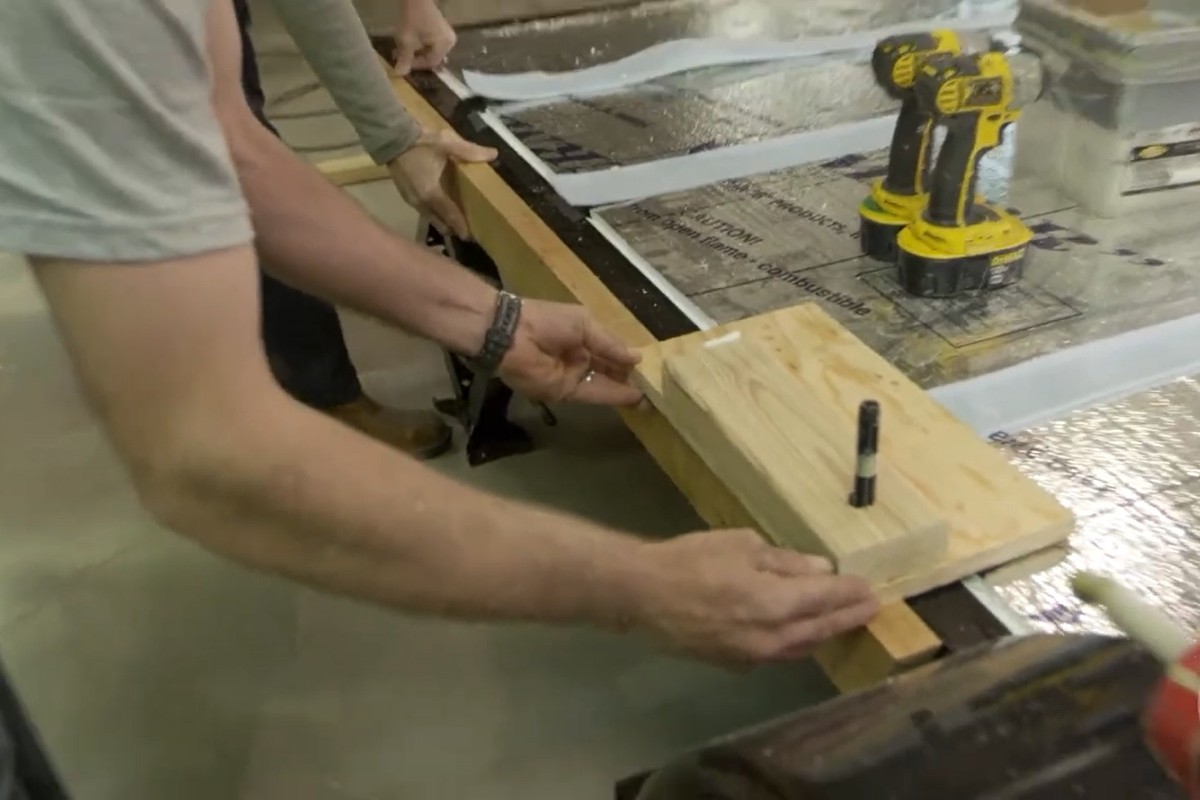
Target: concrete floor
155 670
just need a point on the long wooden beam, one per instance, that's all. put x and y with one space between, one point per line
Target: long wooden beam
349 170
534 261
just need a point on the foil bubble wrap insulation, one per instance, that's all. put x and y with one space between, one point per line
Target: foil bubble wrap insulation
1130 471
696 111
576 41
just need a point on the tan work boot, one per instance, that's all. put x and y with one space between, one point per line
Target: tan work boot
422 434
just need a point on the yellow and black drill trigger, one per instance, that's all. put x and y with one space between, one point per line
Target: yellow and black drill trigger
898 198
960 243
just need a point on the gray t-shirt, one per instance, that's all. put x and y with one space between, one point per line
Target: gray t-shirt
109 148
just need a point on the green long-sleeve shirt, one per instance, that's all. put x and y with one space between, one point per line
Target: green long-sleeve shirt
331 37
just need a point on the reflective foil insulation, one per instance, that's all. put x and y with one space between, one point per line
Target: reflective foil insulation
1130 470
575 41
697 110
700 110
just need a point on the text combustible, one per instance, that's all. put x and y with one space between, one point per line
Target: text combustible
845 301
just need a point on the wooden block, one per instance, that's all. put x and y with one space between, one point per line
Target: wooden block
995 514
863 658
786 449
349 170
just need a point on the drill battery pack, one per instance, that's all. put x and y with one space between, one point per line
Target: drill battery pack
942 261
958 243
879 225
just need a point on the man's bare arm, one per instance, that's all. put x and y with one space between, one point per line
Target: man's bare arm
220 454
166 344
223 456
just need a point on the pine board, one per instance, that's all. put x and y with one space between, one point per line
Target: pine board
785 453
994 513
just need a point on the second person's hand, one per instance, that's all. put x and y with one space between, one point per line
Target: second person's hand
423 36
729 597
560 352
422 174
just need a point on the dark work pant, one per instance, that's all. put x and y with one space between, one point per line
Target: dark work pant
302 334
25 770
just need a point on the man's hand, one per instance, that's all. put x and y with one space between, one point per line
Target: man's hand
561 353
421 174
423 37
730 597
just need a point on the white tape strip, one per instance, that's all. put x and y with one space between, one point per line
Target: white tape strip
687 54
1046 388
999 608
652 178
453 84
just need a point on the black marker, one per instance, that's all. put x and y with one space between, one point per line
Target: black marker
868 445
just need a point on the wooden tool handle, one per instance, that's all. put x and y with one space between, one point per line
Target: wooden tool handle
1141 621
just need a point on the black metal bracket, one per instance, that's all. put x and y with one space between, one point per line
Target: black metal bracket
491 435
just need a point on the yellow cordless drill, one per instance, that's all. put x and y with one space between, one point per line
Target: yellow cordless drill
960 243
898 198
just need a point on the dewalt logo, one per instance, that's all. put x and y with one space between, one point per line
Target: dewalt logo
1000 259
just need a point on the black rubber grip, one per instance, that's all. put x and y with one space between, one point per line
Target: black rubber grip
905 158
952 182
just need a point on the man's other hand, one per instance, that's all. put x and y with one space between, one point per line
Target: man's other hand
561 353
423 37
421 174
729 597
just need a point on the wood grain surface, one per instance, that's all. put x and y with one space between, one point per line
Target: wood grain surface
349 170
784 442
995 514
